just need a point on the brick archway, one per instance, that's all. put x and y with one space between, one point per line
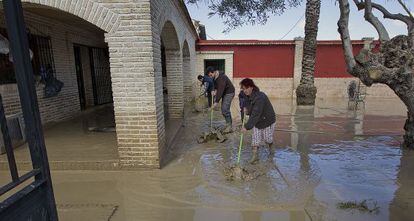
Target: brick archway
88 10
173 70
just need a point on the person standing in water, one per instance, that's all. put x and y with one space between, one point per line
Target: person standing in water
243 103
262 117
224 90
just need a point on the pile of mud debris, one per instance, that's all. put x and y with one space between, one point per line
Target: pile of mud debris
215 134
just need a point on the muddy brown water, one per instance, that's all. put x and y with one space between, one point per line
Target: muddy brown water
327 155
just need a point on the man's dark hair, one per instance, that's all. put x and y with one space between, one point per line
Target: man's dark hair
200 77
211 69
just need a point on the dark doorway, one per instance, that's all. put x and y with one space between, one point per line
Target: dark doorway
101 75
79 77
218 63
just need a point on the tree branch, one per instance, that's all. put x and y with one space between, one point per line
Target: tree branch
346 39
406 8
385 12
374 21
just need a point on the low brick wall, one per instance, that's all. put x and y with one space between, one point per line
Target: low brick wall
273 87
327 87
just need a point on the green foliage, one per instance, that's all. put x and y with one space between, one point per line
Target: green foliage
237 13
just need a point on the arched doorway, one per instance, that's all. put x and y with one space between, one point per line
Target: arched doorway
172 95
172 69
73 51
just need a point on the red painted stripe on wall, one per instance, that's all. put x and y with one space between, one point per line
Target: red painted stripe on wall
260 61
275 59
330 61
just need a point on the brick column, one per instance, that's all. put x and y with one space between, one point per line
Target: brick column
133 84
297 71
188 78
175 85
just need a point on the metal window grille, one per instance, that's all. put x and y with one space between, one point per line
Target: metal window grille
101 76
43 58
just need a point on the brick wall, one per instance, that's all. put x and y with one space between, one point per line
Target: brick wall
188 74
167 13
227 56
257 60
66 104
331 78
175 84
133 34
132 72
273 87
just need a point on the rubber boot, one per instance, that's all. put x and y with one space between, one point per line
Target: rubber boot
229 126
271 151
228 129
255 156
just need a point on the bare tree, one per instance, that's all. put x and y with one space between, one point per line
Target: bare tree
392 65
237 13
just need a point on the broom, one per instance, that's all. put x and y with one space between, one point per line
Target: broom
239 153
241 142
212 111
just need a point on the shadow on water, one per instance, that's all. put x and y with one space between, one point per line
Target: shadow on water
402 205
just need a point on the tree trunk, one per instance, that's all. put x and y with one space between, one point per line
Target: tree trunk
404 88
397 57
306 91
392 65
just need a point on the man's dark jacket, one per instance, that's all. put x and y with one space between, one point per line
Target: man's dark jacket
223 86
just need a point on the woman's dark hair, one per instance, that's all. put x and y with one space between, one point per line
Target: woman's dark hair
247 82
200 77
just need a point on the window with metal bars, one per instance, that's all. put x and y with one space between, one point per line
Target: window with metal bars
42 61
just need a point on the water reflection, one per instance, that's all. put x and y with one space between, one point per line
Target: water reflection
203 214
328 155
402 206
355 123
303 122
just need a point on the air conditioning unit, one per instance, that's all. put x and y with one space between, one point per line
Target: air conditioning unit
16 126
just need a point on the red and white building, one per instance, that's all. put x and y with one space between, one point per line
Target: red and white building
276 65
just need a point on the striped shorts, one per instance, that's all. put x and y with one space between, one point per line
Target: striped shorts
264 135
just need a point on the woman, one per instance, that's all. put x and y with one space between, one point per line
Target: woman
262 117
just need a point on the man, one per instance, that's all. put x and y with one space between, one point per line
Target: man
224 89
208 84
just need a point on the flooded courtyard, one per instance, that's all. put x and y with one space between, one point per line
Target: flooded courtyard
324 156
